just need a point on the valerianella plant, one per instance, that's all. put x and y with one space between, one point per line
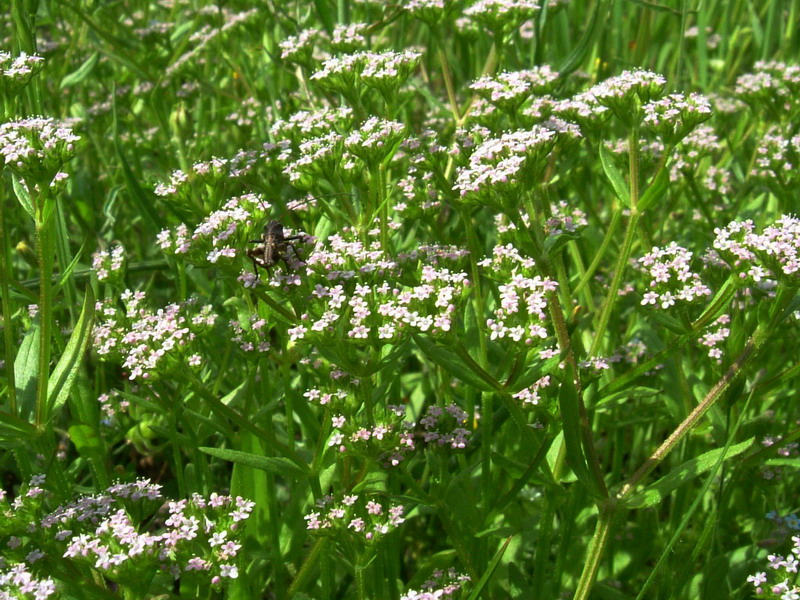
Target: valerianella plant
37 147
17 71
129 534
436 299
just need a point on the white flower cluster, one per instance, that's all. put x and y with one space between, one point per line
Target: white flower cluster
502 14
775 251
376 140
37 146
671 277
16 72
674 116
501 162
384 71
107 262
511 88
521 314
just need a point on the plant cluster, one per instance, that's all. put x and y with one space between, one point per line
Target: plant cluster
397 301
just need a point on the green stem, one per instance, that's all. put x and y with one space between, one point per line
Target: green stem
8 325
474 252
306 570
378 181
715 393
627 244
448 81
486 398
609 507
361 577
602 533
45 301
613 291
598 257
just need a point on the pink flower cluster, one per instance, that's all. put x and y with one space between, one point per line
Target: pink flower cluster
498 15
772 253
107 263
502 163
17 581
37 147
521 315
367 520
207 172
530 395
423 160
198 534
671 277
780 569
383 71
17 71
777 160
773 87
148 342
442 584
673 117
389 438
717 334
354 281
510 89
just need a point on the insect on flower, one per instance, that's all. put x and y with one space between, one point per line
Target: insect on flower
272 247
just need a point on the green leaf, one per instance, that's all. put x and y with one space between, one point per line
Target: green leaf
614 176
629 393
582 48
82 72
655 191
653 494
784 462
719 303
14 430
657 7
88 443
70 267
22 194
668 321
568 402
327 14
272 464
26 371
487 575
451 362
63 377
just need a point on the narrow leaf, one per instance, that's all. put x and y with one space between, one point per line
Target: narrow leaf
582 48
144 205
63 376
614 176
655 190
784 462
476 591
272 464
26 371
653 494
88 443
453 364
82 72
570 419
22 194
14 430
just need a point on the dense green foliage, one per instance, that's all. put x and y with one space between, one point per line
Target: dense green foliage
353 299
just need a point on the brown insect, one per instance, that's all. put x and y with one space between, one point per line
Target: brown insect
272 247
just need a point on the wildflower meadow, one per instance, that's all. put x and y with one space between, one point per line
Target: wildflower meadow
414 300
